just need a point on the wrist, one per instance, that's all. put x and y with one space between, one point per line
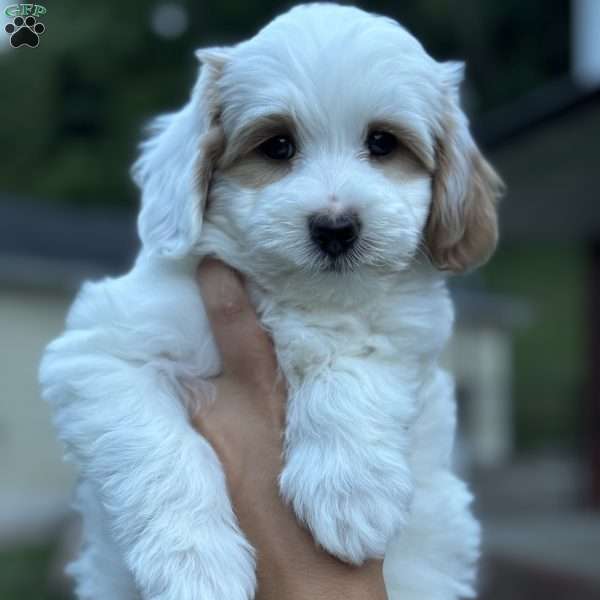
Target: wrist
327 579
290 565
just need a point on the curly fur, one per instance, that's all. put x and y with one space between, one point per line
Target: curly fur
371 416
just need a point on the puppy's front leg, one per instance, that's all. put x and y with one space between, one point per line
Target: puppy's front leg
346 473
160 483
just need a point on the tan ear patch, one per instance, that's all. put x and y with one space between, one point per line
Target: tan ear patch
212 143
462 238
212 147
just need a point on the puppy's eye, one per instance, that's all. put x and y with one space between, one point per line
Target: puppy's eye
279 147
381 143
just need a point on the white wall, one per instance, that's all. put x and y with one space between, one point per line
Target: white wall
585 42
35 485
481 360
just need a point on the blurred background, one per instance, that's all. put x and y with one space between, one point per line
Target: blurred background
527 349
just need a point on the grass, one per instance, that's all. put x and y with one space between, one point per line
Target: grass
549 354
26 573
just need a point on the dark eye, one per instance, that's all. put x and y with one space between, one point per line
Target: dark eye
279 147
381 143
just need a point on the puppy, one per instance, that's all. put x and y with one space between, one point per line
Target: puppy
327 159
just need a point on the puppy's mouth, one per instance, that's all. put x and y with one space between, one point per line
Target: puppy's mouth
339 264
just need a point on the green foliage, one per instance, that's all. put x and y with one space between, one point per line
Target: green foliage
549 359
73 107
26 573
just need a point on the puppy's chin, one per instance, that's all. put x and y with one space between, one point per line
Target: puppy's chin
357 263
339 265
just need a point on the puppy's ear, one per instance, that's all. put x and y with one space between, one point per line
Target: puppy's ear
462 230
175 165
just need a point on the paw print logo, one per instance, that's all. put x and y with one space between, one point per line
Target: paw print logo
25 32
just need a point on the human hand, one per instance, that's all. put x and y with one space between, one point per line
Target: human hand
245 427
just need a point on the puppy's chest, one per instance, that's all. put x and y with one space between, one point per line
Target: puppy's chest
310 344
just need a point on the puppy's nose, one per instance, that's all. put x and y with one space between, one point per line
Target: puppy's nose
334 234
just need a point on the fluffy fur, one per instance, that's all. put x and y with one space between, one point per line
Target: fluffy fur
371 416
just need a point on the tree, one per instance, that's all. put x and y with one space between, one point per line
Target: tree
73 107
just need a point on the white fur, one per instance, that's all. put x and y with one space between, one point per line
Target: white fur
371 415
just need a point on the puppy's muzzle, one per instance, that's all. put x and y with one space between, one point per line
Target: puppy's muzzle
334 235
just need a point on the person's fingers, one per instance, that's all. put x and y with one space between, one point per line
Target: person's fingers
245 348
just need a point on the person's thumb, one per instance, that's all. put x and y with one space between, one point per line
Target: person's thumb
246 350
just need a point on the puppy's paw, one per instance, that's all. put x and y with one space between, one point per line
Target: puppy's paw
352 512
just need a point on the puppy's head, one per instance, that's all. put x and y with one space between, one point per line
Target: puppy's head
330 142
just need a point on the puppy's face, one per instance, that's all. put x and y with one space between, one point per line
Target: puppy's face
332 143
328 163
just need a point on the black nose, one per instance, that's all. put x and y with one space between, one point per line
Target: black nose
334 234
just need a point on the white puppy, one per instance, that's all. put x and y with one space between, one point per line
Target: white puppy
335 169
